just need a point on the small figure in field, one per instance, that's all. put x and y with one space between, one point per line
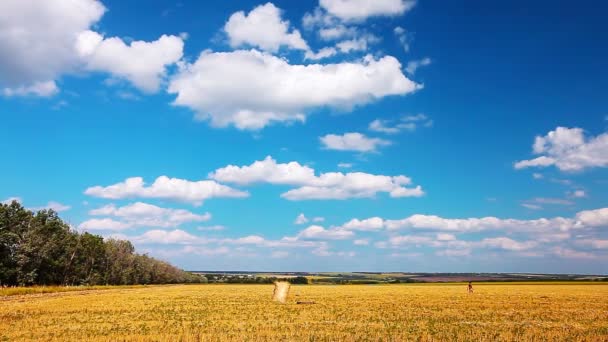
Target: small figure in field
470 288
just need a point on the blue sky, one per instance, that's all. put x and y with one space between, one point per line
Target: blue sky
315 135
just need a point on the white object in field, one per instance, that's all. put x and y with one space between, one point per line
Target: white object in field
281 290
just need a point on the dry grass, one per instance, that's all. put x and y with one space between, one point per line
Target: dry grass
352 313
18 291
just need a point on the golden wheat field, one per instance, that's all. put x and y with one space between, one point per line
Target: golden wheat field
421 312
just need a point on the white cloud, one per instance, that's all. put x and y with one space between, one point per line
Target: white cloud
331 185
38 38
412 66
537 175
318 232
213 228
337 32
361 242
104 224
345 165
44 40
263 28
531 206
56 206
454 252
318 219
142 63
143 214
568 253
279 254
157 236
370 224
352 142
252 89
445 237
357 44
407 123
568 149
593 218
508 244
325 52
578 194
404 38
301 219
594 243
166 188
40 89
358 10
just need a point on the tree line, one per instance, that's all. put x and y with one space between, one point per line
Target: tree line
41 249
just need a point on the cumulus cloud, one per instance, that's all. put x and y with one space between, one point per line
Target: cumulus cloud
361 242
357 44
406 123
318 232
141 214
508 244
370 224
158 236
252 89
301 219
166 188
331 185
142 63
359 10
569 150
104 224
43 40
352 142
38 38
263 28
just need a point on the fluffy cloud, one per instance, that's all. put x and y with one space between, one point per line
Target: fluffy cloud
252 89
104 224
142 63
38 38
568 149
508 244
263 28
358 10
352 142
370 224
318 232
406 123
331 185
301 219
157 236
43 40
543 229
357 44
143 214
166 188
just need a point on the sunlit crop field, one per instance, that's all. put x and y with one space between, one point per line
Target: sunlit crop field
349 312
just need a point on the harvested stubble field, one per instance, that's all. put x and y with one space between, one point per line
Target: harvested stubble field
507 312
